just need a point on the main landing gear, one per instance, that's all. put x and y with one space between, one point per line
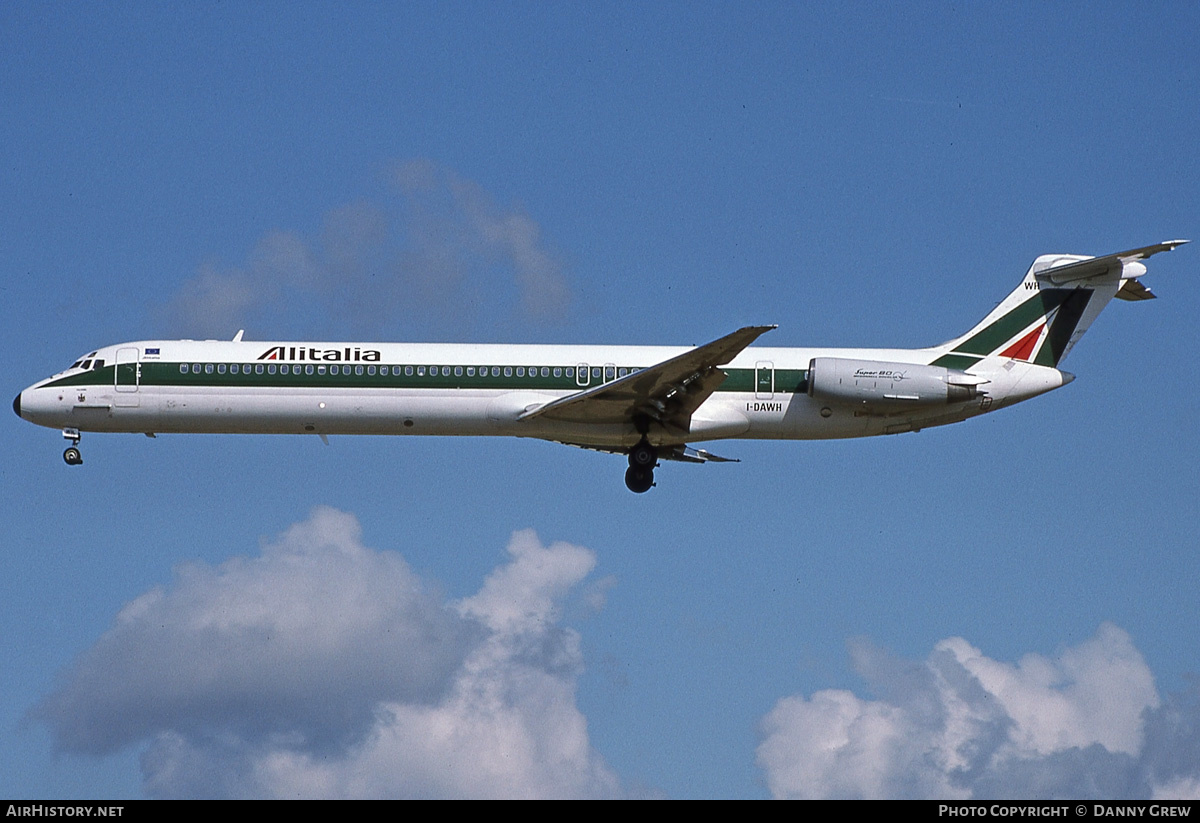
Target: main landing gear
643 458
72 455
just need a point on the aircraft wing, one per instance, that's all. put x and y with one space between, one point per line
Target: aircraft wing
668 392
1097 266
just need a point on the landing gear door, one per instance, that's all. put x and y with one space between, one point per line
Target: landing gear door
764 380
128 376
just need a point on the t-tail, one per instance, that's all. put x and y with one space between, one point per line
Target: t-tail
1055 304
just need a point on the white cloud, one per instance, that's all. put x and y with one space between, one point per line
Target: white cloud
1093 693
446 248
1088 723
326 668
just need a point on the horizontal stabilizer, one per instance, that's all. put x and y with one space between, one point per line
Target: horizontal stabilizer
1099 266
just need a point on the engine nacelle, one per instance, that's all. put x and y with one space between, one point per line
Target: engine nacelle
888 387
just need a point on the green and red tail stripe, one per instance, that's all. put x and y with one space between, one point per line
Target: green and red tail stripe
1056 312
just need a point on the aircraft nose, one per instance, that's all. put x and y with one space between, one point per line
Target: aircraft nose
17 405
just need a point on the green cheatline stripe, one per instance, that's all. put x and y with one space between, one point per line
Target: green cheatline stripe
955 361
1000 332
1063 327
787 381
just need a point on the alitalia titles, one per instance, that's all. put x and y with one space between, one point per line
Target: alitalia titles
350 353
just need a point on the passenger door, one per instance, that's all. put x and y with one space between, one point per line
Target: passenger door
128 377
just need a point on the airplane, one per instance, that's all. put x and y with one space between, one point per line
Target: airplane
646 402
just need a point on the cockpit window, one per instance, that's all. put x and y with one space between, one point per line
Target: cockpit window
85 362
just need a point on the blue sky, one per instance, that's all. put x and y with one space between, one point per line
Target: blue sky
1003 607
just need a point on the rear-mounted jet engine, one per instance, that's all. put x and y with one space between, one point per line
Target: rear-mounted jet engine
888 387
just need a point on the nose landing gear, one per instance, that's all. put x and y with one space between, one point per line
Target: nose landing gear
72 455
643 459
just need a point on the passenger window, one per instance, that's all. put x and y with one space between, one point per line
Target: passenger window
520 371
470 371
234 369
458 371
271 369
220 368
495 371
508 371
308 369
195 368
258 369
545 371
208 368
408 370
183 368
558 371
371 370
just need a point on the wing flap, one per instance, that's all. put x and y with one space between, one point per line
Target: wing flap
688 454
682 454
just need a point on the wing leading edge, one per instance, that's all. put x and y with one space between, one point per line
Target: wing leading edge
667 393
